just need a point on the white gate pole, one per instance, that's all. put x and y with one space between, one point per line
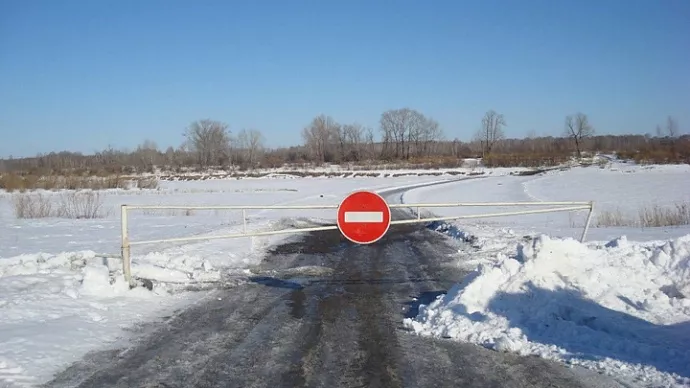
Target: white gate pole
589 219
255 234
126 265
244 230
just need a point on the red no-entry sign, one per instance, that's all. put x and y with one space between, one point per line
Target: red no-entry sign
364 217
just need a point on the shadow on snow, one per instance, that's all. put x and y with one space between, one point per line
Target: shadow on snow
590 331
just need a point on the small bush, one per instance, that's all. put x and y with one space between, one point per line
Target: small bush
32 206
613 218
87 205
169 212
79 205
648 217
660 216
149 183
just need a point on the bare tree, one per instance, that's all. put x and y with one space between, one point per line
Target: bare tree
148 145
210 141
146 155
659 131
241 146
578 128
352 135
256 145
429 133
369 144
250 144
170 156
318 137
393 132
672 129
337 144
400 128
491 131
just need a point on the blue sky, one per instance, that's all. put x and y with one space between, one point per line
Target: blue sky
80 75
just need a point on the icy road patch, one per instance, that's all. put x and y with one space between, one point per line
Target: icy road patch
621 307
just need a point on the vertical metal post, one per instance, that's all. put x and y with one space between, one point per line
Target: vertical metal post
244 230
589 219
419 214
126 249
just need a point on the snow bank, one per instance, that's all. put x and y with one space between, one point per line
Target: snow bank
621 307
55 308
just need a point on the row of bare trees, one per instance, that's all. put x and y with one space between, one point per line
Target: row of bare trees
326 140
577 129
213 145
406 132
404 135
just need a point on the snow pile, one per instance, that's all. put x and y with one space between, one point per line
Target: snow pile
621 307
167 268
54 308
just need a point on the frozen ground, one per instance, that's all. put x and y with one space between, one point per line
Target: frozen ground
618 299
60 298
619 303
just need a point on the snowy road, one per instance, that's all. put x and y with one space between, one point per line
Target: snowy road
341 328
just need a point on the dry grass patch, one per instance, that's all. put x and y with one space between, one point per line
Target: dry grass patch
613 218
32 206
148 183
663 216
88 205
648 217
168 212
75 205
21 183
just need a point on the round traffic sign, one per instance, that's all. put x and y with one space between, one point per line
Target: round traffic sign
364 217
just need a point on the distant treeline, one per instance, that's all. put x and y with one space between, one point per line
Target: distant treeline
405 138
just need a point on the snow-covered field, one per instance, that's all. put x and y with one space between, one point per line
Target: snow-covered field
56 297
618 303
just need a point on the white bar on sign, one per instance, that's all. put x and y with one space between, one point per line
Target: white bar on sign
364 217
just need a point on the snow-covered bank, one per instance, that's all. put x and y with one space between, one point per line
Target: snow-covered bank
466 167
621 188
623 308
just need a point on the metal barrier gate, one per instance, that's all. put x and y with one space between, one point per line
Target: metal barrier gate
127 244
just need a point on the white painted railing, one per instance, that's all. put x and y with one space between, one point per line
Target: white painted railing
127 244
